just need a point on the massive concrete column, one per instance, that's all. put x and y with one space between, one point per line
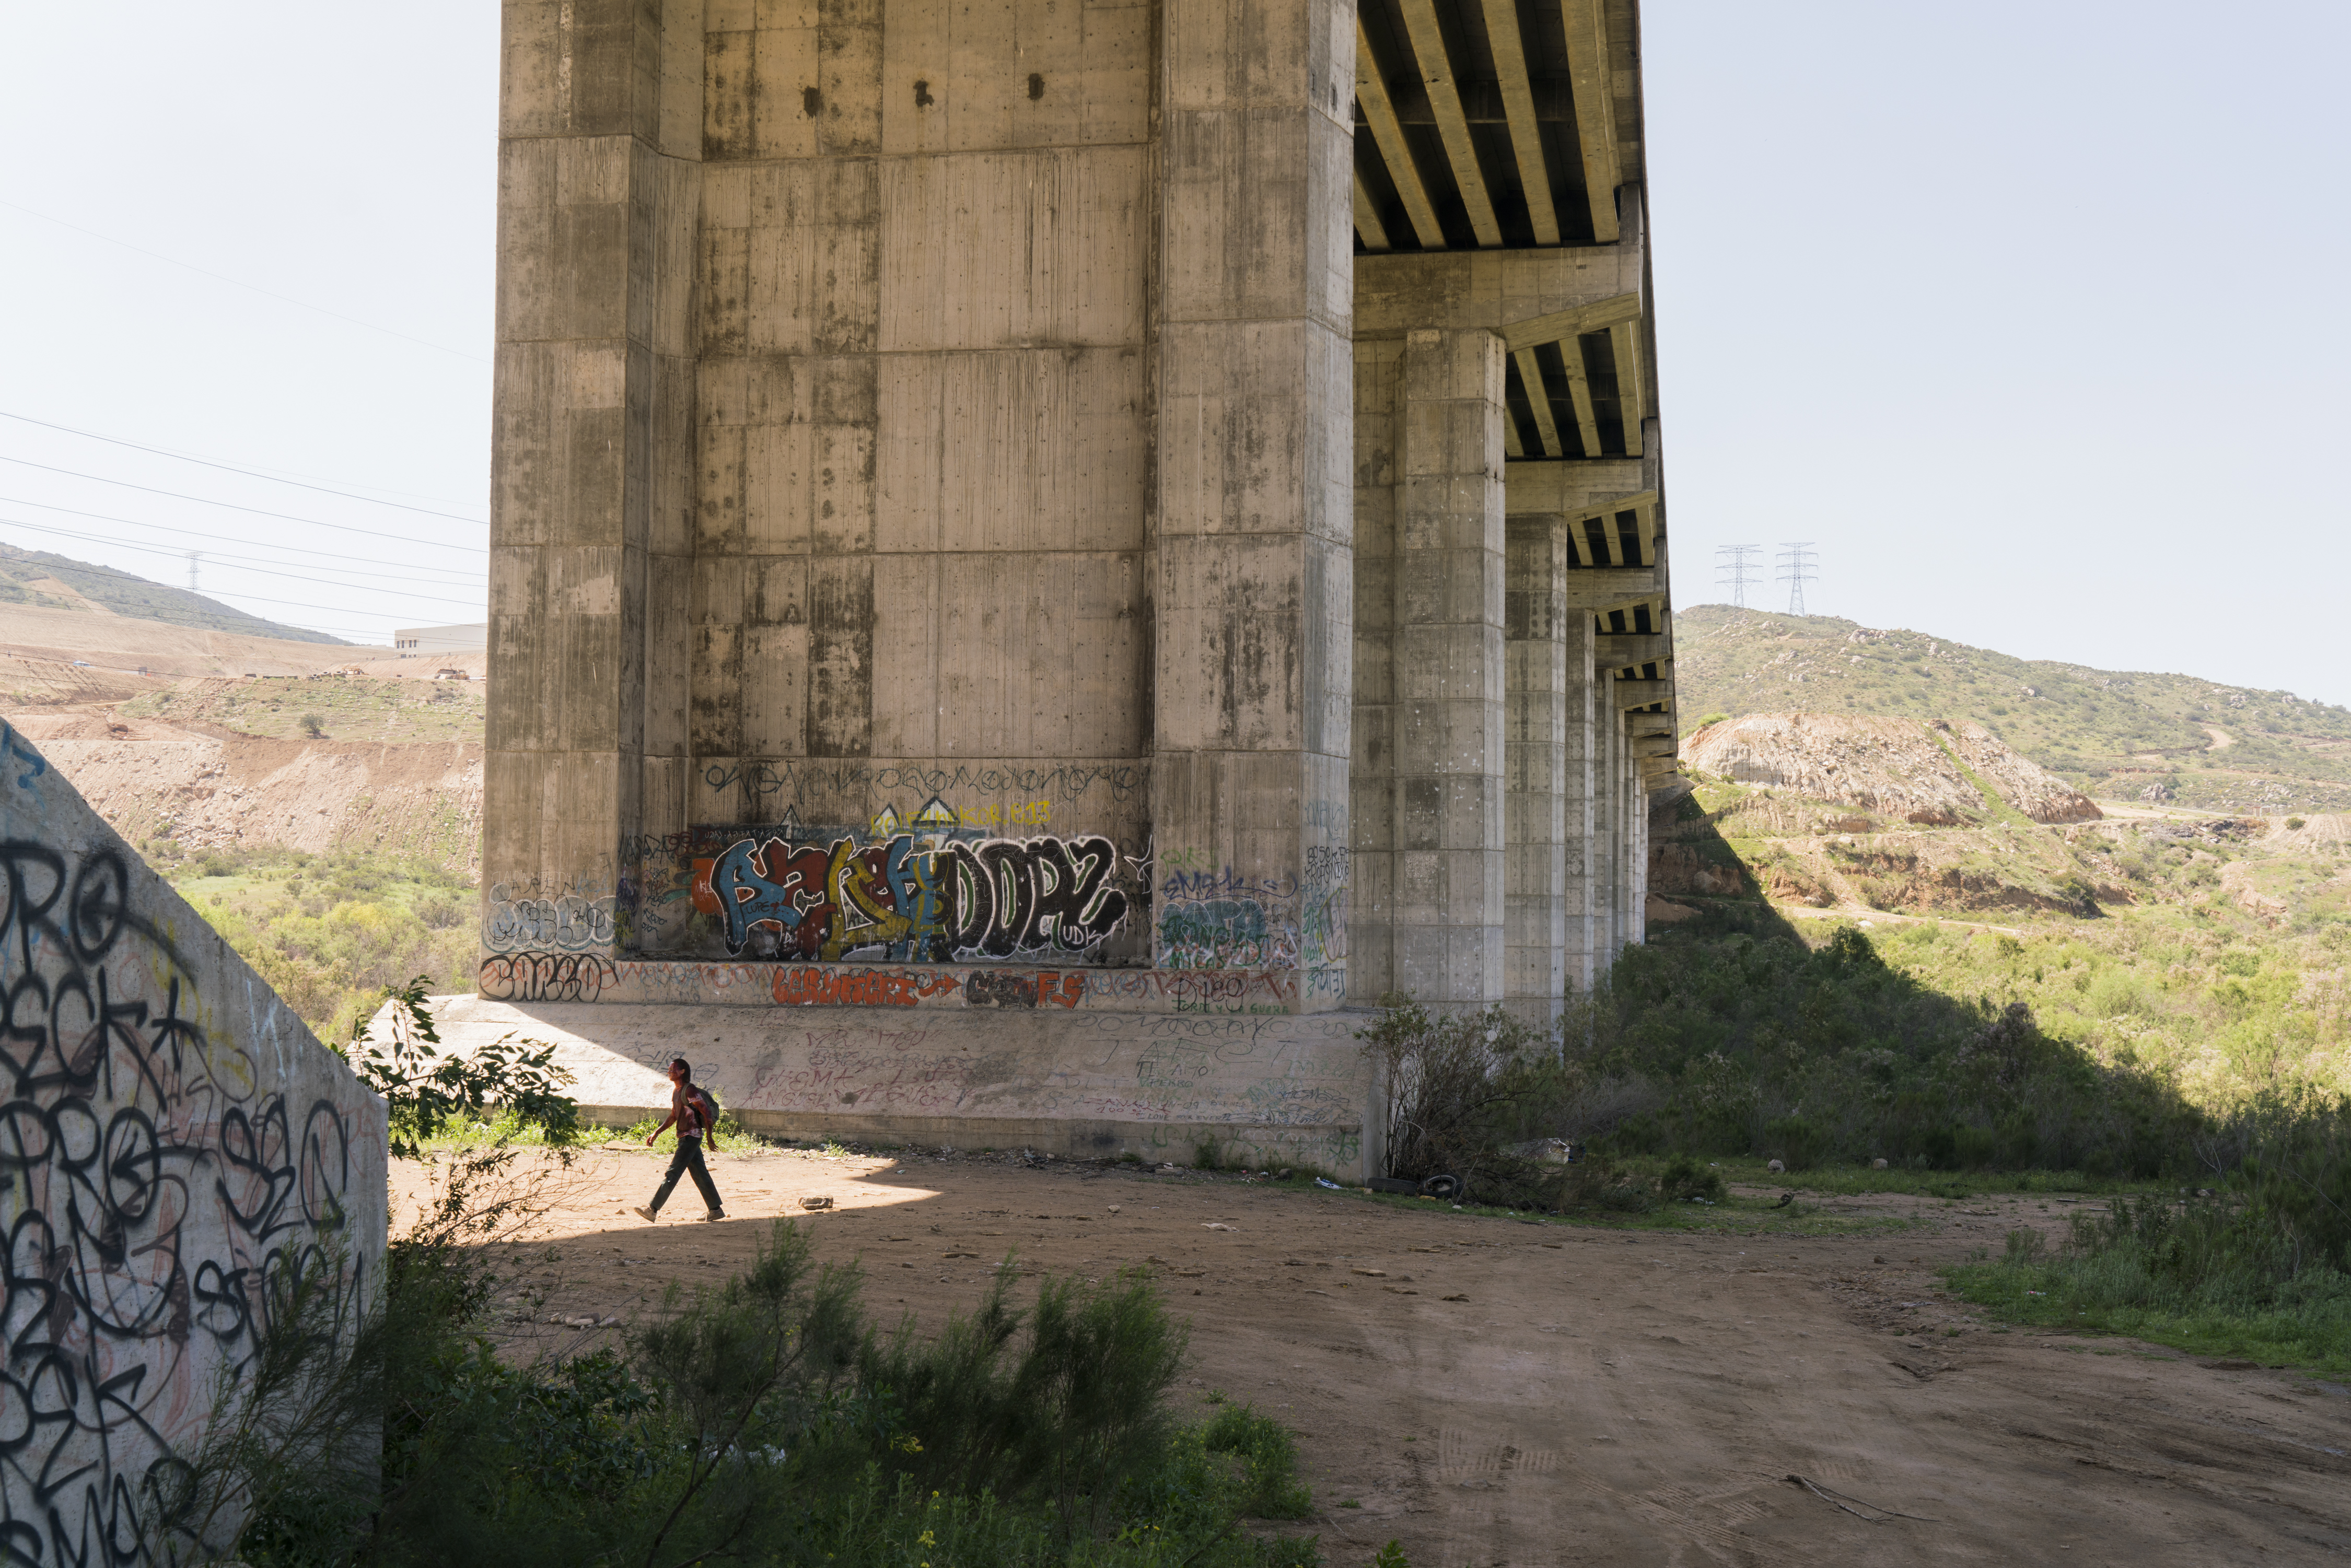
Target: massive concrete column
1579 788
1253 597
1371 774
1607 826
591 453
1534 761
1450 894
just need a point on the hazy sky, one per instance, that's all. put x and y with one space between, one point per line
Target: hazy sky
2031 317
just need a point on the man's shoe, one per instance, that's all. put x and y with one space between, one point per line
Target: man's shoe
716 1214
645 1213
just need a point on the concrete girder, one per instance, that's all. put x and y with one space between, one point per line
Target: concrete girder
1595 108
1530 375
1379 113
1567 488
1579 393
1558 326
1618 650
1632 399
1367 220
1519 104
1641 694
1654 746
1452 124
1600 588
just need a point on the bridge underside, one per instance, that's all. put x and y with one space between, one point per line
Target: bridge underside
1055 557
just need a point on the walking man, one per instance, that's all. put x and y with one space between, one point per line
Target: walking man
691 1109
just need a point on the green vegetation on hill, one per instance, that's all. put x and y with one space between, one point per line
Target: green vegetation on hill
347 707
22 570
2149 999
2115 735
330 932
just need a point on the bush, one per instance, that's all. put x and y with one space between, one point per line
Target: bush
1685 1179
759 1421
1794 1142
2259 1263
314 727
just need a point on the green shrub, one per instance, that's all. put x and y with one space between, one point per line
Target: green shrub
760 1421
1794 1142
1268 1460
1685 1179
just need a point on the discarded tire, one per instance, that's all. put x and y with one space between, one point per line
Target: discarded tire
813 1203
1443 1186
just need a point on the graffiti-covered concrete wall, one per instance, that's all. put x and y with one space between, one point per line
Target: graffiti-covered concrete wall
173 1140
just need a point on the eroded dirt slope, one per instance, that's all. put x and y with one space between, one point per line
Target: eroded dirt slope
211 788
1499 1392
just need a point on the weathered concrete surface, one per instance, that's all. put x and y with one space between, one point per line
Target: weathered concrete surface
1268 1088
173 1138
970 532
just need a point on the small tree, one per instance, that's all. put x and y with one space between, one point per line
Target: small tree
314 727
427 1089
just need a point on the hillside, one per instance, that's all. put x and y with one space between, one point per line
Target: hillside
2115 734
1938 775
2207 949
37 579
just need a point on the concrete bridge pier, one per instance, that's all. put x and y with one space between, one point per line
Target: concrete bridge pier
1044 560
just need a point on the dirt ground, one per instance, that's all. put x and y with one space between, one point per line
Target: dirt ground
1496 1391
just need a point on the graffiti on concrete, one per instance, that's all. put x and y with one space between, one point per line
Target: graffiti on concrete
162 1179
568 923
588 977
1219 920
901 900
801 779
547 976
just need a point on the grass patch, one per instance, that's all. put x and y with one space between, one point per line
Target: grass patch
2312 1332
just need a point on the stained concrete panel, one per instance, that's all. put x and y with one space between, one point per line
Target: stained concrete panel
1268 1088
177 1138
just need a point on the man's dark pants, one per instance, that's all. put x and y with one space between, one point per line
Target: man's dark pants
688 1161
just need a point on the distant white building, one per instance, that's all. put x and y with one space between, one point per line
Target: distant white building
442 639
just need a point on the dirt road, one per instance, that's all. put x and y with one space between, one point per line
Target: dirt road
1492 1391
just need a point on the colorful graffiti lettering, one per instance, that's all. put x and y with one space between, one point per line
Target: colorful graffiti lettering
1225 934
900 900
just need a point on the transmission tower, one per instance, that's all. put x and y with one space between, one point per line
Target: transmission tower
194 556
1799 564
1732 569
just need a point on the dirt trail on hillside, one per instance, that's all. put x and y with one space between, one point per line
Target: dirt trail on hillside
1585 1396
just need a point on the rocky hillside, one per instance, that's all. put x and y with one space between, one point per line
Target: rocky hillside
2115 735
40 579
1936 775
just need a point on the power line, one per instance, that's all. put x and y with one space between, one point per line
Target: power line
1798 565
152 549
240 283
1732 570
250 563
232 468
218 593
468 573
232 505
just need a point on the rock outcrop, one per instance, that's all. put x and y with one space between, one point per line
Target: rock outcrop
1905 769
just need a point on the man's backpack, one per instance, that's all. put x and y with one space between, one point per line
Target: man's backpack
707 1109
